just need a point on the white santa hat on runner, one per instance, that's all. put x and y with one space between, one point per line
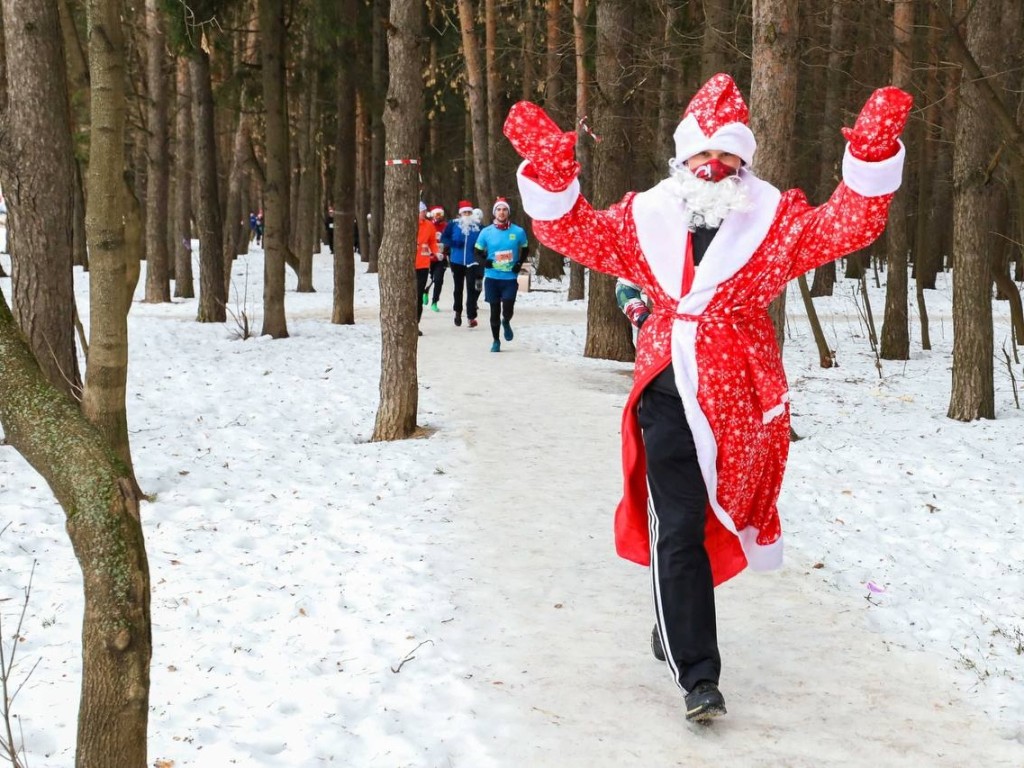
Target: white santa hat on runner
716 118
501 202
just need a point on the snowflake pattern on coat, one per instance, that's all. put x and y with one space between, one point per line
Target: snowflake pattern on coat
735 395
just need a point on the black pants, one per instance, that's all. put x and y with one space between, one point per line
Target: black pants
437 275
684 593
468 277
421 287
500 310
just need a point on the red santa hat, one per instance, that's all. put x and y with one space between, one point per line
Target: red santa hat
465 206
437 209
501 202
716 118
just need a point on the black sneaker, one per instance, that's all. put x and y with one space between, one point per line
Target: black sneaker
458 318
656 649
705 702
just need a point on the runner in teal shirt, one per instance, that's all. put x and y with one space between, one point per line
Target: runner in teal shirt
502 249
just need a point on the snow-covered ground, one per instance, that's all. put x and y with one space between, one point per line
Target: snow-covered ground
455 600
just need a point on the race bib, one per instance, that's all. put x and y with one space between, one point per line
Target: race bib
503 261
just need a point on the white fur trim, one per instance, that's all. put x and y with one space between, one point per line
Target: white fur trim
874 179
777 411
731 137
684 364
542 204
760 557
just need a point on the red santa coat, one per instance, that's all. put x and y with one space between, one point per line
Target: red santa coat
719 337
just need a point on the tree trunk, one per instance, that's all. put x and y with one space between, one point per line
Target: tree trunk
377 138
493 96
895 342
669 108
773 105
477 105
974 232
37 166
826 358
344 193
78 86
403 120
275 192
310 215
831 120
363 174
212 296
609 334
549 263
184 287
580 15
927 256
96 491
527 61
158 284
719 30
110 222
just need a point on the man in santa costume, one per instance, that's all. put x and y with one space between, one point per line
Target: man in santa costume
705 431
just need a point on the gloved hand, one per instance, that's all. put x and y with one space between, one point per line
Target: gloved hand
879 124
637 312
537 138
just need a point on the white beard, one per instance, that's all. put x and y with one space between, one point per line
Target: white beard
467 225
707 202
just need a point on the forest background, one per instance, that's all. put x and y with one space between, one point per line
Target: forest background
174 120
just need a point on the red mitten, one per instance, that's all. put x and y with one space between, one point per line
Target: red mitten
537 138
879 124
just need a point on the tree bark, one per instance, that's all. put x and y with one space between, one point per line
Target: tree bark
184 287
78 87
719 28
112 226
580 15
275 191
403 120
773 105
37 166
609 334
493 96
975 198
96 491
549 263
831 119
344 193
363 174
212 296
477 104
377 137
158 284
310 216
895 342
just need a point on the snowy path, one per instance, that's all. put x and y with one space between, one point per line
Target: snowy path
560 625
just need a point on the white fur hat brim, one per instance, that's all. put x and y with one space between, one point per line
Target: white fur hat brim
735 138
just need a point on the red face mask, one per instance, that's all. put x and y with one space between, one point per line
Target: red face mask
714 170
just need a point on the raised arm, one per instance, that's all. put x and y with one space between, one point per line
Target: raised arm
548 184
855 214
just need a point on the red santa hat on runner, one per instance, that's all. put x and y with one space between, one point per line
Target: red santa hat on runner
716 118
436 211
465 206
501 202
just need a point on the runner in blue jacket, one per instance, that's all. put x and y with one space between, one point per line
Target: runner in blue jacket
459 237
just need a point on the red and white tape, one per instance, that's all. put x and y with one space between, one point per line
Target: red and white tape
402 161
